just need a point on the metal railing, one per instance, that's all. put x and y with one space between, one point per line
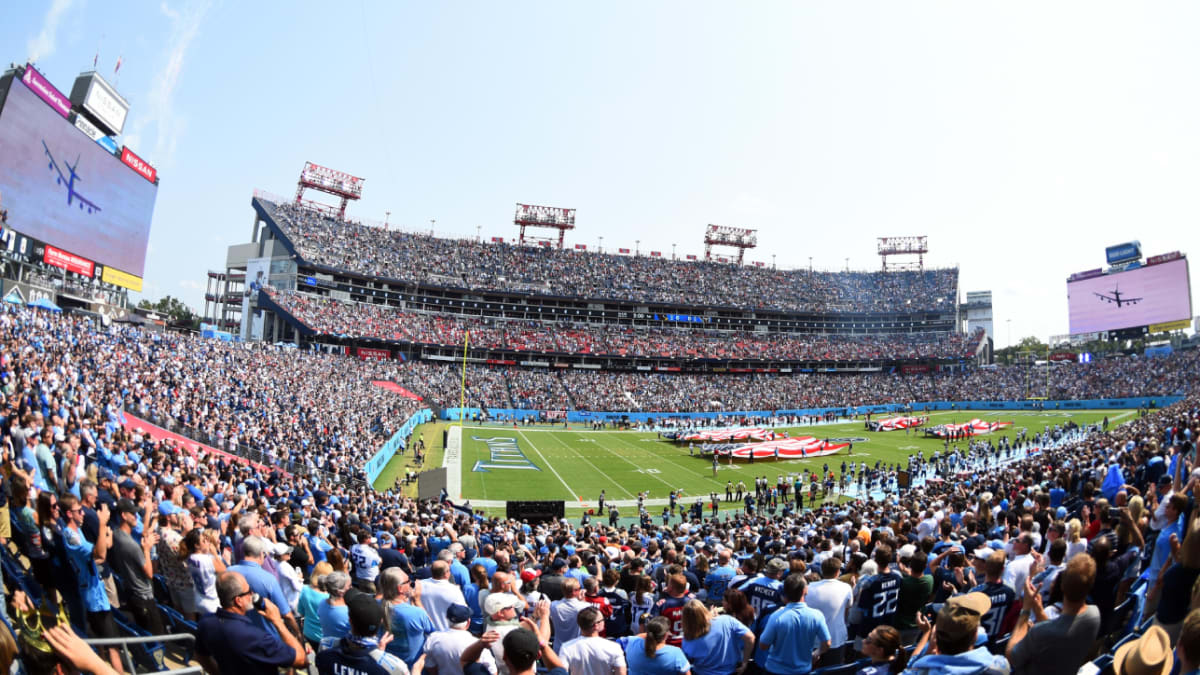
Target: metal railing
127 655
245 452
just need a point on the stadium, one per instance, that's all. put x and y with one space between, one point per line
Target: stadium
527 426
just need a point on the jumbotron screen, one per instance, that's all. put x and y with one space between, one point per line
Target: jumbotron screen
61 187
1147 295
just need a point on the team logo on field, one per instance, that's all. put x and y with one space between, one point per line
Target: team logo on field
505 454
849 439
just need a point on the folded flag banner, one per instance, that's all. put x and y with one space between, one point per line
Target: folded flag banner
975 427
896 423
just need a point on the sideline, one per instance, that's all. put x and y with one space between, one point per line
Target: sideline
452 462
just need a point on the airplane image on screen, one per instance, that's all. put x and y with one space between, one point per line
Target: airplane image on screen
72 195
1116 298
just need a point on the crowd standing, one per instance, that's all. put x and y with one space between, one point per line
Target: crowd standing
1024 566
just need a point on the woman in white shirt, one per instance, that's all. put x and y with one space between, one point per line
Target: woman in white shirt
204 565
289 579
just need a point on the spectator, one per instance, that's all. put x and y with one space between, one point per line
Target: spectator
1189 644
204 565
438 594
309 604
407 621
1148 655
445 648
832 598
1062 644
953 634
563 613
1000 614
229 642
649 654
133 564
711 643
359 651
796 634
886 651
916 588
265 584
590 654
334 610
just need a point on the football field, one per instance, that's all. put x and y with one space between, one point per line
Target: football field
574 465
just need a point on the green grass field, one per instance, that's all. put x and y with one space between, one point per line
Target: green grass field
575 465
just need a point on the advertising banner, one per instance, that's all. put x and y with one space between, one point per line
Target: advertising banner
46 91
82 124
376 464
374 354
112 275
69 261
139 165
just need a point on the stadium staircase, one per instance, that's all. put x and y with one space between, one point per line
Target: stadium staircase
567 391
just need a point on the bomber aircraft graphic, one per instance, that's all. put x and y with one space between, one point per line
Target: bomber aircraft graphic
72 195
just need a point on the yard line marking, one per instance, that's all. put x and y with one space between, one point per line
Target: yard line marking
669 459
602 473
548 464
631 463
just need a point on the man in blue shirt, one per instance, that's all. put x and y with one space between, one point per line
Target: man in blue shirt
262 582
1175 506
83 557
718 578
230 642
796 635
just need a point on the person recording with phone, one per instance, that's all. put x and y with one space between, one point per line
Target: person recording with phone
133 564
229 642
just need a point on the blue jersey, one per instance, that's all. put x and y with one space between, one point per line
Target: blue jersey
1003 598
878 601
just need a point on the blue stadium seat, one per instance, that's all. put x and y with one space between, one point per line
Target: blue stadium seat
162 594
844 669
177 623
149 654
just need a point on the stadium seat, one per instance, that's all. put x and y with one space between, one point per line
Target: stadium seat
1103 664
1122 617
844 669
21 577
177 623
162 594
148 654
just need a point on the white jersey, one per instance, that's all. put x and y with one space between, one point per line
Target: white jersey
366 561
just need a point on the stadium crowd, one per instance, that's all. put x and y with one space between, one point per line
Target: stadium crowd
612 391
381 322
413 258
1032 566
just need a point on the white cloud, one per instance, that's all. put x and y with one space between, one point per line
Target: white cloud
159 109
42 46
191 285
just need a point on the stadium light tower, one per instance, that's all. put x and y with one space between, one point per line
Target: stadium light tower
733 237
336 183
905 247
546 217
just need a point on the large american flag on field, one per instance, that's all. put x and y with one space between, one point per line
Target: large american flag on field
724 435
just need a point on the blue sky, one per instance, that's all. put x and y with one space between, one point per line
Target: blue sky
1021 137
